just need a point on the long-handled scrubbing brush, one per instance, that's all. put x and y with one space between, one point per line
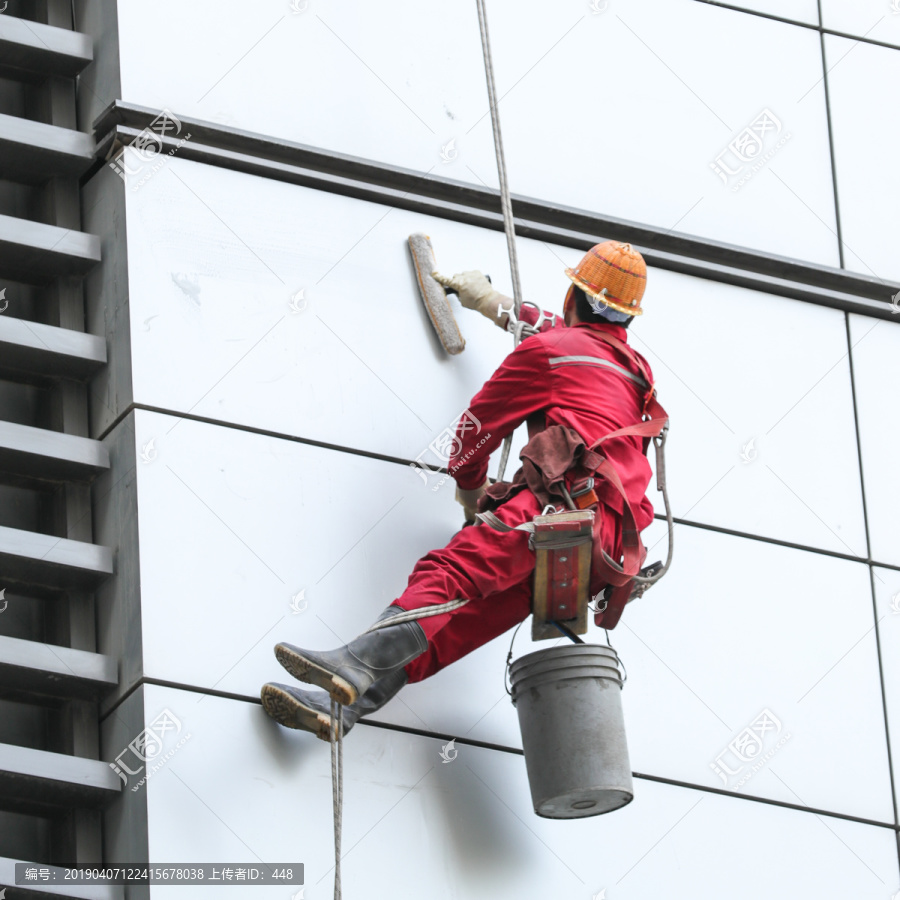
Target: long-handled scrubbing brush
433 294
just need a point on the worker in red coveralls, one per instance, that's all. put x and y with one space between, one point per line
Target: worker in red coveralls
573 382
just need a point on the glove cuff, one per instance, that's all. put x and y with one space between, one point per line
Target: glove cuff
490 305
471 497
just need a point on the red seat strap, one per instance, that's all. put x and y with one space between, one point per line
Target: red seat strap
633 551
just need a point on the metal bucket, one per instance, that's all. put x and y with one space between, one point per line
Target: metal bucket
569 701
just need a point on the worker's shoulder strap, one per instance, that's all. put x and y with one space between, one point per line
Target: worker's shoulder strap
656 418
629 353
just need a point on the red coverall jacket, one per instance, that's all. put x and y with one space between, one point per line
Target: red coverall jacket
562 376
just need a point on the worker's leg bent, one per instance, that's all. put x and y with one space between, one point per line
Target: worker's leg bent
471 626
489 568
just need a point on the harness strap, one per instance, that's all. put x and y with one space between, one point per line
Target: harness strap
633 551
498 524
650 429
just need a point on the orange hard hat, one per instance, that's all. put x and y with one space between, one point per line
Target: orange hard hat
613 273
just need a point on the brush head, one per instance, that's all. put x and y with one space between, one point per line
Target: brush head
433 294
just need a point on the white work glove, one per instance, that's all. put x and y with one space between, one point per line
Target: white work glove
469 500
476 292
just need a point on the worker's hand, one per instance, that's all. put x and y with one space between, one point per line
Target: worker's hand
476 292
469 500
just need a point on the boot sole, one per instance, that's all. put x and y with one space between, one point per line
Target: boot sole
307 671
288 711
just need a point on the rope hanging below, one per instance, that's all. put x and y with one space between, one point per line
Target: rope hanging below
337 787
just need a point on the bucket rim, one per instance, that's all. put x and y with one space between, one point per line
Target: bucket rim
571 649
542 679
572 666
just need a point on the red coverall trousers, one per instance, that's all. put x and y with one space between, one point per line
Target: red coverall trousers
494 571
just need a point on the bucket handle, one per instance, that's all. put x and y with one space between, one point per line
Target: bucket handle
509 655
619 662
568 633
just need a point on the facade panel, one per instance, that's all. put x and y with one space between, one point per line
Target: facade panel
300 312
746 378
798 10
701 137
741 627
887 609
877 20
876 366
334 75
868 182
466 827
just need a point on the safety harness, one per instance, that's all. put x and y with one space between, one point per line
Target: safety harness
562 537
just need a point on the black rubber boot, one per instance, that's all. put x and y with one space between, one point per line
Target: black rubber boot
348 672
311 710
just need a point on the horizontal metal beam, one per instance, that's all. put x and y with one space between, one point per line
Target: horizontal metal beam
33 252
33 152
403 188
32 779
27 557
38 891
30 51
50 671
49 455
33 350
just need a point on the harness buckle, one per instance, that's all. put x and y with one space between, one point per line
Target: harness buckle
583 494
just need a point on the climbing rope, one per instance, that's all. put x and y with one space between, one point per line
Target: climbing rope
337 787
505 204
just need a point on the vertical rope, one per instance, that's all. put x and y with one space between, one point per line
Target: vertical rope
337 787
505 203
